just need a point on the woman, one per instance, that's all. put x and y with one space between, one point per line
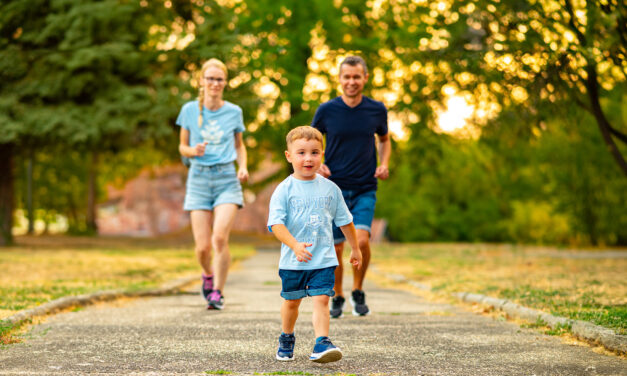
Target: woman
211 137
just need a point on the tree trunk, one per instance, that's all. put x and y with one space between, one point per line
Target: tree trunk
92 173
592 85
6 194
29 193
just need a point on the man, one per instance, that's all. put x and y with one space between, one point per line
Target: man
350 123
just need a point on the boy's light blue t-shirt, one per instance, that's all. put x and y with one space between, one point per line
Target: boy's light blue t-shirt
307 208
218 129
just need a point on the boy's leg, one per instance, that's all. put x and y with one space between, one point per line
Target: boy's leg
289 314
320 316
321 288
324 350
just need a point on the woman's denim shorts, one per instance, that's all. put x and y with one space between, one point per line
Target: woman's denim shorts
210 186
297 284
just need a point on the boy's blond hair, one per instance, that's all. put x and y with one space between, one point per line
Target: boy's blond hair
304 131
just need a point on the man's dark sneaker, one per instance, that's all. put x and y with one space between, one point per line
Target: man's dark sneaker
324 351
207 286
358 300
337 305
216 300
285 352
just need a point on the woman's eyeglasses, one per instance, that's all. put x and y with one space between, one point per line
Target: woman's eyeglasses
214 80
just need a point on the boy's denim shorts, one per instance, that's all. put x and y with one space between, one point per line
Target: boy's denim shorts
210 186
297 284
361 205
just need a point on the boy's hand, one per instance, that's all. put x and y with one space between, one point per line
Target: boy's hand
199 149
356 258
302 255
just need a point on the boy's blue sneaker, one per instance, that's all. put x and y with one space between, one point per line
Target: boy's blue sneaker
286 347
324 351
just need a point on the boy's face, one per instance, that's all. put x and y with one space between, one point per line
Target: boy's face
306 157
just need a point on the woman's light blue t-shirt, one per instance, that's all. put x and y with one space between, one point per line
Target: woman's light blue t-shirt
307 208
218 129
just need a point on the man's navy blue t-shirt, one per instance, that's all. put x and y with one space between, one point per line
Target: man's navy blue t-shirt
350 153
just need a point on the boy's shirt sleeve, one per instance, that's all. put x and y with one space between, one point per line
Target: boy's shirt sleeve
278 208
342 215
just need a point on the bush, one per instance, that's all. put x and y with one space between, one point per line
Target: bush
537 222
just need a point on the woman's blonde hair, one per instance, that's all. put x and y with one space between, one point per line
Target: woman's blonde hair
213 62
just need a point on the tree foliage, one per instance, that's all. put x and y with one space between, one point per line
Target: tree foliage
541 158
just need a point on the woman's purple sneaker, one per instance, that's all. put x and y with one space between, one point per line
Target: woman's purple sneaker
207 286
216 300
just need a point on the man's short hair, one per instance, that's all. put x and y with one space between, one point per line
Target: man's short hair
304 131
353 61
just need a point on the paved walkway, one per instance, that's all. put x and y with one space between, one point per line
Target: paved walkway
405 335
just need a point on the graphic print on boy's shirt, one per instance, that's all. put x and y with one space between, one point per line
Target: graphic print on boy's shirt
316 208
313 229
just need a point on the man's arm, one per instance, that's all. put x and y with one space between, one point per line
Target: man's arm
283 234
385 149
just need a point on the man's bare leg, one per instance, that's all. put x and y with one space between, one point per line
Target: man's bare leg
363 238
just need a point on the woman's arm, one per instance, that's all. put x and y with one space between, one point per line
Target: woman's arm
189 151
242 157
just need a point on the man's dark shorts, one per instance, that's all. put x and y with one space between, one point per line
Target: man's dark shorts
361 205
297 284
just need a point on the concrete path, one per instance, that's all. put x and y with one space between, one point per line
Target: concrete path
405 335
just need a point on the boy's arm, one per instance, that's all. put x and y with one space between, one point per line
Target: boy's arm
283 234
351 235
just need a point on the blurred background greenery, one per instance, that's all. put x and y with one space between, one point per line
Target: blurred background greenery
509 117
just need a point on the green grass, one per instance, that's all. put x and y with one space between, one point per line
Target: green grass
544 278
42 269
561 302
285 373
219 372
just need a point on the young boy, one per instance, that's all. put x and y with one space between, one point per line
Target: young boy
302 209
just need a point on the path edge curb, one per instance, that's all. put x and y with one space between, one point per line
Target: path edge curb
53 306
581 329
